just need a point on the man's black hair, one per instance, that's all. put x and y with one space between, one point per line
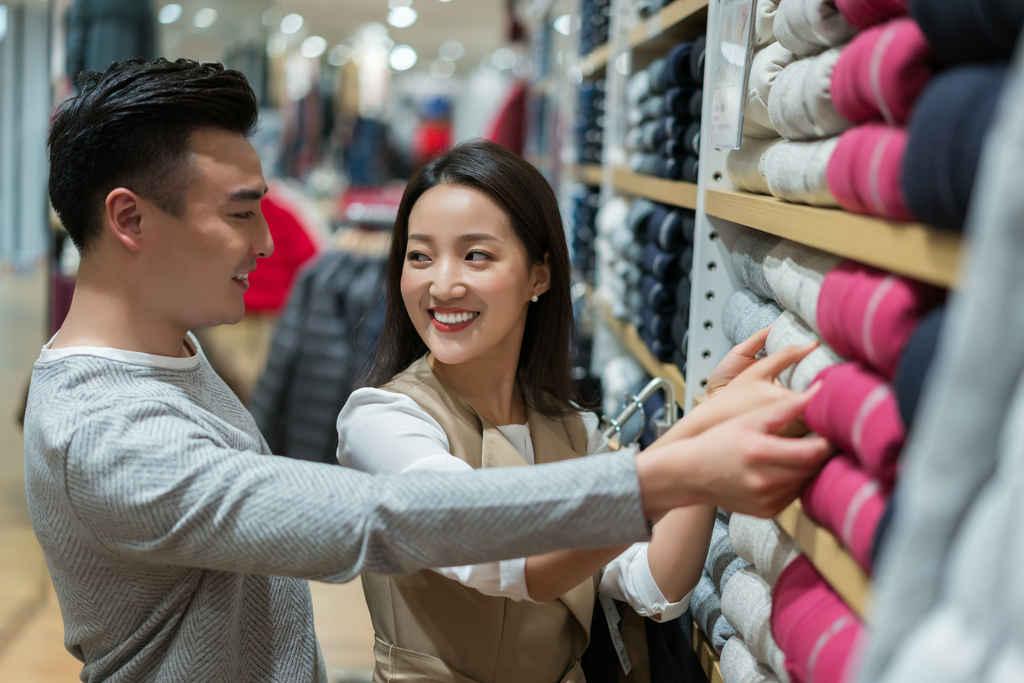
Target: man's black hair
130 126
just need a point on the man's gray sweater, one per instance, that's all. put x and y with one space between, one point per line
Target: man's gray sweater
179 546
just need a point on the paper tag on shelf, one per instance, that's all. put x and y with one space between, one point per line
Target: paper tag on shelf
732 59
611 613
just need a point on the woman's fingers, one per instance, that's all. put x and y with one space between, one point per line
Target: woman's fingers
750 346
772 366
778 414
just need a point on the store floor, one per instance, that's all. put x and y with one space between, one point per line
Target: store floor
31 630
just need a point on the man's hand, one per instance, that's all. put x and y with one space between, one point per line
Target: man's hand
739 464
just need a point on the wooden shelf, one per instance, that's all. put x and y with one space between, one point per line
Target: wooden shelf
668 18
674 192
912 249
709 660
595 61
630 338
829 557
587 174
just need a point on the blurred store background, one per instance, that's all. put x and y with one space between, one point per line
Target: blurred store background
354 96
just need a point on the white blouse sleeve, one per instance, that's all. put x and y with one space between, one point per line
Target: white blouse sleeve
382 432
628 577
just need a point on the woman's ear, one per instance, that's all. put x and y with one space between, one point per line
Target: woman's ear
542 276
123 213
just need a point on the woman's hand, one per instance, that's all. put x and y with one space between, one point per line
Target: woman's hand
739 464
753 386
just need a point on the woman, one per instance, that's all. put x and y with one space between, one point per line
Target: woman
474 371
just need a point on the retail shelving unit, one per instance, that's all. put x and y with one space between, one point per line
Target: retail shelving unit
674 192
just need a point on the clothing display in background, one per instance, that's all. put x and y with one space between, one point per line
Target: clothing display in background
590 120
298 233
739 666
864 13
582 248
800 103
321 348
807 27
103 31
947 600
976 31
763 544
915 364
865 172
747 604
509 126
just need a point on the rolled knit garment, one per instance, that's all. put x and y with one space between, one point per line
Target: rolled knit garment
691 137
657 295
800 102
797 171
747 604
634 139
812 625
738 665
881 73
864 13
807 27
639 215
869 315
677 66
788 330
745 166
653 107
655 325
672 148
682 302
691 166
680 324
695 105
697 57
865 173
763 544
915 363
767 64
764 19
847 502
748 254
659 348
706 607
671 228
655 74
686 260
947 130
669 167
746 313
638 86
976 31
676 101
883 526
644 163
795 273
673 127
652 135
663 265
722 562
857 410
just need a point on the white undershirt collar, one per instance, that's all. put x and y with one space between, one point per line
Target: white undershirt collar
48 355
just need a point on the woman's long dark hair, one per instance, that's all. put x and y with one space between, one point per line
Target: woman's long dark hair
546 358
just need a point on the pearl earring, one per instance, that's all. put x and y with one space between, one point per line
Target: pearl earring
534 298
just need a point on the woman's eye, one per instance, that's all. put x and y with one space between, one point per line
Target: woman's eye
416 256
478 256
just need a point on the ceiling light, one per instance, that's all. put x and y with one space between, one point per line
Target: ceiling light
277 45
504 58
339 55
402 17
205 17
169 14
441 69
313 47
291 23
392 4
523 67
487 66
272 16
563 24
451 50
402 58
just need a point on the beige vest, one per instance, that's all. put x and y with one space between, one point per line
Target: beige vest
431 628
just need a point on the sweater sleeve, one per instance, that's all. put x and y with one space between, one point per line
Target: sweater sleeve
148 483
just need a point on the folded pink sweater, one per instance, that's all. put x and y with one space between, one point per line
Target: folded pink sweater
857 410
812 625
847 502
868 314
864 13
865 172
881 72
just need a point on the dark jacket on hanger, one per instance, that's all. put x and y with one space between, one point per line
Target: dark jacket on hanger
105 31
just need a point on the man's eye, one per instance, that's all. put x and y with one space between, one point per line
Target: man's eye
247 214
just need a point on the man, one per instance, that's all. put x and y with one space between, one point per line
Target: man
176 542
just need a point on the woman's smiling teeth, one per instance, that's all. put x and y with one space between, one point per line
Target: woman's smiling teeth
454 318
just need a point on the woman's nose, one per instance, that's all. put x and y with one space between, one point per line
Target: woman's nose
448 282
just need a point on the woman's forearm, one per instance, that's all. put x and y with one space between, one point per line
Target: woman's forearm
554 574
678 548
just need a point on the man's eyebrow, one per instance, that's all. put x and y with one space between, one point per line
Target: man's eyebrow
247 195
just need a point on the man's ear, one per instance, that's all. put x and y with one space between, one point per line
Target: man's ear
123 212
542 273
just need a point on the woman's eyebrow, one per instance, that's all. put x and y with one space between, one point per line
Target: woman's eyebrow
472 237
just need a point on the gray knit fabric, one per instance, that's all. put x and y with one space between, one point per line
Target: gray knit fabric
767 64
745 166
807 27
747 604
763 544
706 607
739 666
169 531
800 102
795 273
789 330
746 313
748 255
796 171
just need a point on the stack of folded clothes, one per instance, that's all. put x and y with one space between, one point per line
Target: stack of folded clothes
584 231
666 259
663 110
590 120
617 274
595 20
